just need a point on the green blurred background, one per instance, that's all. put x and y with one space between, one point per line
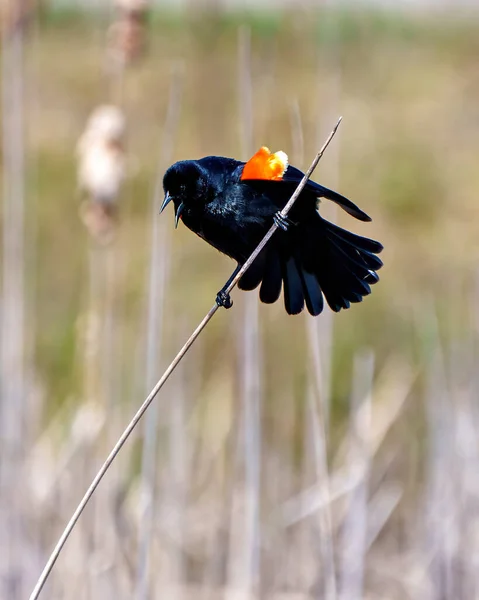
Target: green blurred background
407 86
406 152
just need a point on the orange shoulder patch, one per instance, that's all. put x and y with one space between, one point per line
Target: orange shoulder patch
265 165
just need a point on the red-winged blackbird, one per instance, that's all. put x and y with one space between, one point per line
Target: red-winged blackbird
232 204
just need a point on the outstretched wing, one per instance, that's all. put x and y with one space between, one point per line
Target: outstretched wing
295 175
267 166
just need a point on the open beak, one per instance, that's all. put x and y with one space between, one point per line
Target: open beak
179 210
166 201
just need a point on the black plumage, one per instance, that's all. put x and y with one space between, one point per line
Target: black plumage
313 257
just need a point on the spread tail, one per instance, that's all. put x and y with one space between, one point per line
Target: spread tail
320 259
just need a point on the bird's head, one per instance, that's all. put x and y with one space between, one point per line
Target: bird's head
185 184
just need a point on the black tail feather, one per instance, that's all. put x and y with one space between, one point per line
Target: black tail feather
253 276
343 263
357 262
347 267
293 288
321 259
360 242
272 281
312 292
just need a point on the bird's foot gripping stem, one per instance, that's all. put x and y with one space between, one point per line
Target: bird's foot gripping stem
282 222
224 299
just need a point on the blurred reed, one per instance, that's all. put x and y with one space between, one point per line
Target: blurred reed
14 371
244 550
159 267
289 458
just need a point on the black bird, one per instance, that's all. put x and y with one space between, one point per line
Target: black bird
232 204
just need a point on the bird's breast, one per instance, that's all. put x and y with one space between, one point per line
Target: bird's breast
221 230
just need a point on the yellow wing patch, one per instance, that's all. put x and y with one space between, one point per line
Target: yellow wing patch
265 165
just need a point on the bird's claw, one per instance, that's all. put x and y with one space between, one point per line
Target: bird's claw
223 299
282 222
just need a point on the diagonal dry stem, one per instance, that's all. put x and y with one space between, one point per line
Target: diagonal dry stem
284 212
141 411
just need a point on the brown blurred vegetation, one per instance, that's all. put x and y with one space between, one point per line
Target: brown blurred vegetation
406 153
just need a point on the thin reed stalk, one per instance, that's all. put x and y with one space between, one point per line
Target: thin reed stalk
328 97
354 534
317 433
141 411
244 556
297 133
13 388
159 267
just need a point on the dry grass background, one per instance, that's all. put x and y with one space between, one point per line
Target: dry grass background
288 457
